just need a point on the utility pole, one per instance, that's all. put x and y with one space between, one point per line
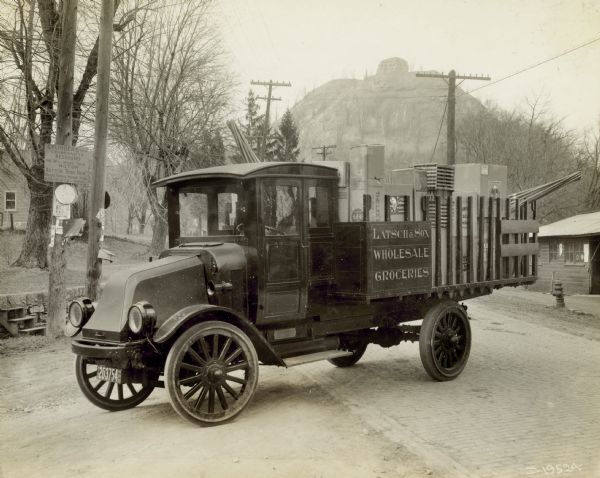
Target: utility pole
64 131
450 131
262 138
94 265
262 150
324 151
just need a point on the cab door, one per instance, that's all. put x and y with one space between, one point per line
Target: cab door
284 253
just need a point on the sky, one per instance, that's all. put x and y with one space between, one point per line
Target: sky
310 42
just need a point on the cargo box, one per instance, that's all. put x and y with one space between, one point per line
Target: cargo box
382 259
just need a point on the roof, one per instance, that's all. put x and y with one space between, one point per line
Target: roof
580 225
248 170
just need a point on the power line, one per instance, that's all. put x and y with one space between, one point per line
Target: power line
370 95
388 96
439 131
270 84
451 105
531 67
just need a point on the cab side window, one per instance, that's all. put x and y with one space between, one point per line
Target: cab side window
227 204
318 207
281 209
193 215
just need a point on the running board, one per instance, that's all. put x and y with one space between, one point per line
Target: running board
315 357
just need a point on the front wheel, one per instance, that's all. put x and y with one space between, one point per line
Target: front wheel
211 373
445 341
107 395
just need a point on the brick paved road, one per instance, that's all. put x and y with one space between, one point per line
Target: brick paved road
529 398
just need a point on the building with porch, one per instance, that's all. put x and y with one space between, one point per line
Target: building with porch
570 253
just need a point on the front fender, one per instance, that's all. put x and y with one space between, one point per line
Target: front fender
194 314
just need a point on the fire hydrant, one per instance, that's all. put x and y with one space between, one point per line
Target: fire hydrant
558 294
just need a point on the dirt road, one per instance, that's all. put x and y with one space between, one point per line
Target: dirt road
292 428
527 402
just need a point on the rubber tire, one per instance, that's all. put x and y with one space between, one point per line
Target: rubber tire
349 360
426 340
92 396
179 349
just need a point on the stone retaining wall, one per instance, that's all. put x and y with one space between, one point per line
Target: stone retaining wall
8 301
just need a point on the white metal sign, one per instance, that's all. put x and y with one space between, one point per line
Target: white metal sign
61 211
65 194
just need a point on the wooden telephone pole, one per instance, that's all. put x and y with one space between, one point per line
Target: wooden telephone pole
324 151
450 132
64 131
262 150
94 265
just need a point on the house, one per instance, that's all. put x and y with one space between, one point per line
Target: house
14 195
570 252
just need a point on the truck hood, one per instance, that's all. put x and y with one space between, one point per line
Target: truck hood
168 284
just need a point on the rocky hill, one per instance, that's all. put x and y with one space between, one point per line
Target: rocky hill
393 108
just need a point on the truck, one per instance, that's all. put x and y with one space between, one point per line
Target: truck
285 263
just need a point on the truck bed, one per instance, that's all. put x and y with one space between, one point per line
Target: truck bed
468 245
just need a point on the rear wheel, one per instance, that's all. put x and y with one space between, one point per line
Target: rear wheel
349 360
211 373
445 341
107 395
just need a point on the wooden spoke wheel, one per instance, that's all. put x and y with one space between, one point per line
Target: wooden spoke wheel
445 341
211 373
349 360
107 395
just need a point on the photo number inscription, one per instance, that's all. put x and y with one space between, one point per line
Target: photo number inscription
554 469
401 255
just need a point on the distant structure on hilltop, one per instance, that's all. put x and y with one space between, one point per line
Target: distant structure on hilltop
393 108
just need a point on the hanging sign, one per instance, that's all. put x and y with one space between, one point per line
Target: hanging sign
67 164
65 194
61 211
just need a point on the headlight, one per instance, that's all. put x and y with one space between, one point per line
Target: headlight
135 319
210 288
141 316
80 311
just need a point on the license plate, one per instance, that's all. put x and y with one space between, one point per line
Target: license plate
108 374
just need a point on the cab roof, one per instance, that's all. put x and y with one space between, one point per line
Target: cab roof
252 170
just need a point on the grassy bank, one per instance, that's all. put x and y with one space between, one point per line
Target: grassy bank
21 280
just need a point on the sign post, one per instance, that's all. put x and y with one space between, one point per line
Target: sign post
64 135
94 264
68 165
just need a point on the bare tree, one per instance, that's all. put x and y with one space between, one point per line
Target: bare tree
170 89
128 194
535 147
30 33
589 163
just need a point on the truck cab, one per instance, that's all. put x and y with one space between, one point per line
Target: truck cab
281 217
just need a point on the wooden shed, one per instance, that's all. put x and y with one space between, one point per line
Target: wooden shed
570 252
14 195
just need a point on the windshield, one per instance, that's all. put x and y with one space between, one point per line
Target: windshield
211 210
